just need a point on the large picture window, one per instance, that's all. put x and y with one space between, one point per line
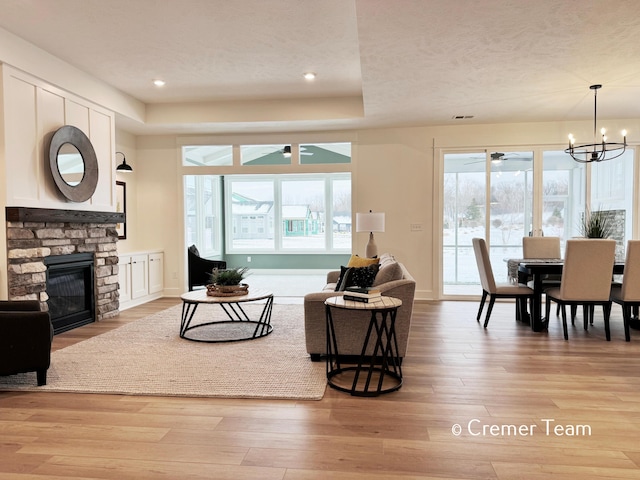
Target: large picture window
308 213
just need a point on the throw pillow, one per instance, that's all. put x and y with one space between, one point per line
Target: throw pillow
357 277
343 271
389 272
356 261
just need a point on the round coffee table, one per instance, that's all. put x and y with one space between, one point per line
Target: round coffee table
237 327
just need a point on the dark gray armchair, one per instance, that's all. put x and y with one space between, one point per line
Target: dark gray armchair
200 268
26 334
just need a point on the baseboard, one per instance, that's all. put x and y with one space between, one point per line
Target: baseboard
290 271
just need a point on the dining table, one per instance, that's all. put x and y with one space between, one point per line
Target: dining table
537 269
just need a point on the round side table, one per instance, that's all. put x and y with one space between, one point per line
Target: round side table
374 374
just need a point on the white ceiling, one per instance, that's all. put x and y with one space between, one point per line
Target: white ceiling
378 62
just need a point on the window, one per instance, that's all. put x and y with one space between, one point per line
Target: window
207 155
249 208
327 153
203 213
264 155
563 195
309 210
612 191
303 213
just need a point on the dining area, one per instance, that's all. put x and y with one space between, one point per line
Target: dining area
589 279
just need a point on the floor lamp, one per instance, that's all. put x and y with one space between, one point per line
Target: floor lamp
370 222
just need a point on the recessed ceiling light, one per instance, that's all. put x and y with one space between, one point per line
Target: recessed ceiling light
310 76
159 83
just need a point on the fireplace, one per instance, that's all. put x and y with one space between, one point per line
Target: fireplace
41 240
70 288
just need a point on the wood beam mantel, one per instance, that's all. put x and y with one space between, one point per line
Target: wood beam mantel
28 214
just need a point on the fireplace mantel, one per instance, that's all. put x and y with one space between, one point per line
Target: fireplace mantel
28 214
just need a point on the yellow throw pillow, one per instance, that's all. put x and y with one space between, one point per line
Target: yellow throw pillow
356 261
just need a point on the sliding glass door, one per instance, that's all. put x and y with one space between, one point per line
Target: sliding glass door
488 195
493 195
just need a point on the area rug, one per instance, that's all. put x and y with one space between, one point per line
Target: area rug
148 357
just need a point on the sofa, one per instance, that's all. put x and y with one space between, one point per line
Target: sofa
26 334
393 280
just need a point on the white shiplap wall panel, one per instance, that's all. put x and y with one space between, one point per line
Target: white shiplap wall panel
102 141
22 155
50 118
33 111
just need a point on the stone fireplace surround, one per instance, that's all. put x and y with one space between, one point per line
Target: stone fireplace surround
36 233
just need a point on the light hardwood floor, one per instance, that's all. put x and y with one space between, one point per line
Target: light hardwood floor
489 382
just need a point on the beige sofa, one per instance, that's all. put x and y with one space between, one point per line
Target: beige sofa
392 279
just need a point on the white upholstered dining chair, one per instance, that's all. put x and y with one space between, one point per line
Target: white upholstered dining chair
586 280
541 247
628 294
489 287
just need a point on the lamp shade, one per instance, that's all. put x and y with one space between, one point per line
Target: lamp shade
370 222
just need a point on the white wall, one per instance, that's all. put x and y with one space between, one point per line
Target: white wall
126 144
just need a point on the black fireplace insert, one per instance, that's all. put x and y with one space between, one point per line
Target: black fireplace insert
70 288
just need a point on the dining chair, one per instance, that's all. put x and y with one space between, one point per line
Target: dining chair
543 247
627 294
489 287
586 280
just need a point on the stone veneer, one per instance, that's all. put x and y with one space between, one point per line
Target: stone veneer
29 242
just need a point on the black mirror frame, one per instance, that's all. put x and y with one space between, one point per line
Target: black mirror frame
87 186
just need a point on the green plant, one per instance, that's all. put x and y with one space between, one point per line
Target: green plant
230 276
596 224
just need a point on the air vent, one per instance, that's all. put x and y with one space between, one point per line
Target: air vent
462 117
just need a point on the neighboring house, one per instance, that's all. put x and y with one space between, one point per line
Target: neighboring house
297 221
251 218
341 223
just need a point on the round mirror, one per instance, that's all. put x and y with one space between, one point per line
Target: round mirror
70 164
73 163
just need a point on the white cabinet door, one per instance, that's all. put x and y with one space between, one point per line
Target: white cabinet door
156 272
124 278
139 276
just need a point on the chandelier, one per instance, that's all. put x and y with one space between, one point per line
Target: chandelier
596 152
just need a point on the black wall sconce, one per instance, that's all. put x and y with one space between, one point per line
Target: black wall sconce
124 167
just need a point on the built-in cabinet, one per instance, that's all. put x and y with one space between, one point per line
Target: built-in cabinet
141 277
156 272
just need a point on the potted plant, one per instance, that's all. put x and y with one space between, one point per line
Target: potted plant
596 224
228 282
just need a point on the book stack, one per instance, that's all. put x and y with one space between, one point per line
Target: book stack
362 294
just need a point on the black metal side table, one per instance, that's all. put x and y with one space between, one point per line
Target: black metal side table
374 374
